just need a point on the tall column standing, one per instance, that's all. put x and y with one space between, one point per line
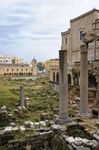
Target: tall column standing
84 81
97 94
22 97
63 86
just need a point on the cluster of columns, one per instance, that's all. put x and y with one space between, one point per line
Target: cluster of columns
63 84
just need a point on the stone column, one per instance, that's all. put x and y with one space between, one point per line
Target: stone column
97 94
63 86
22 97
84 81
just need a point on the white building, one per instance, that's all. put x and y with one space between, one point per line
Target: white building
5 59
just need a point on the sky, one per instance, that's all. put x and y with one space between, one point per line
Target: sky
32 28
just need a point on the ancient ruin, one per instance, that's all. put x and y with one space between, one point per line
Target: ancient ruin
63 86
22 97
84 81
88 38
33 116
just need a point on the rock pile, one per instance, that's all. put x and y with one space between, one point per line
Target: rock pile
81 143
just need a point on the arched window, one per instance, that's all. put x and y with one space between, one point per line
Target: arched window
57 77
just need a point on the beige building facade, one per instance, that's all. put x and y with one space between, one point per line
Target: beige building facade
51 63
16 60
72 39
10 60
9 70
5 59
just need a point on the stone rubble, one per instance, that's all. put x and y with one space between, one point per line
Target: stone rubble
41 128
79 142
4 112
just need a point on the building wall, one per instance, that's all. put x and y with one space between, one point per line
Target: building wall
14 66
54 74
18 70
5 59
66 44
15 70
10 60
71 42
51 63
85 24
16 60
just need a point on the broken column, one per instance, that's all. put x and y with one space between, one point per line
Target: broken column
22 97
84 81
63 86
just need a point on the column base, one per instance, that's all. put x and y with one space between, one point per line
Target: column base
84 115
63 118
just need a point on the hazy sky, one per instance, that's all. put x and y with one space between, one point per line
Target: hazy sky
32 28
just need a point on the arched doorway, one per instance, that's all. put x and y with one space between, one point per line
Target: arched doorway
53 76
57 77
69 79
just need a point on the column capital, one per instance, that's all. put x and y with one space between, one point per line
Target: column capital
84 47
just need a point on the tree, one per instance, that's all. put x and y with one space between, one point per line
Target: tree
40 66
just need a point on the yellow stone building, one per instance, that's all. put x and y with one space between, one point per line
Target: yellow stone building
14 69
51 63
16 60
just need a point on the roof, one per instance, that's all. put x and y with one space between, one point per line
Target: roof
15 65
65 32
55 59
85 14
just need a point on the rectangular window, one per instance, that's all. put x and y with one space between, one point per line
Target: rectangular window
66 40
81 35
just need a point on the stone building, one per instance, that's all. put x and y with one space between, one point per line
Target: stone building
10 60
5 59
9 70
50 63
16 60
71 41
